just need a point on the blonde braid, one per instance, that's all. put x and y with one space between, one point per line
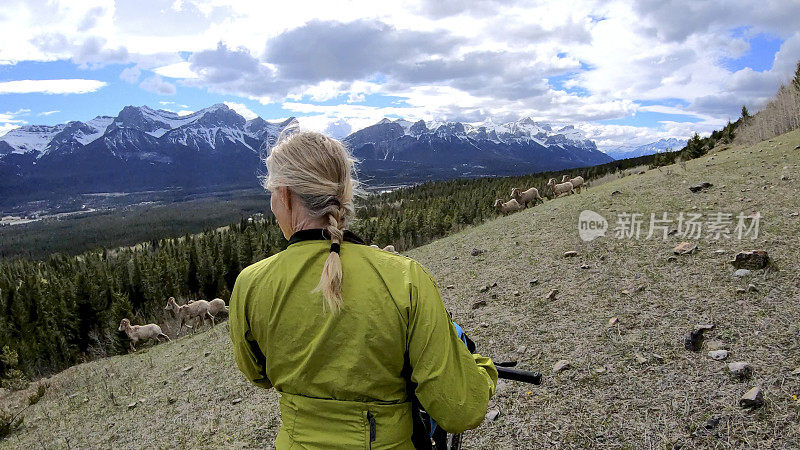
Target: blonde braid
321 171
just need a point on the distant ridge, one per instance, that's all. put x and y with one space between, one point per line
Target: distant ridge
144 148
633 151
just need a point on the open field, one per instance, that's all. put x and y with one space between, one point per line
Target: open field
632 384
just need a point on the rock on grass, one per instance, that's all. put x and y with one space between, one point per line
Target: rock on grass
740 369
561 366
718 355
752 399
754 260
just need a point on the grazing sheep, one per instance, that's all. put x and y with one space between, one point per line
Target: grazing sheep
507 207
138 333
217 306
188 311
577 182
529 196
561 188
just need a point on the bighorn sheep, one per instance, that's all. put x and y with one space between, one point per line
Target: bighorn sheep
529 196
561 188
188 311
217 306
577 182
138 333
507 207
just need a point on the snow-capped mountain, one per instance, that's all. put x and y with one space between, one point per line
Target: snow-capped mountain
633 151
486 148
140 148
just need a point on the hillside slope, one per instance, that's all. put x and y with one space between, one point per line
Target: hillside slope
631 384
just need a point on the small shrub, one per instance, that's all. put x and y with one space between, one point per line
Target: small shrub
8 422
10 377
36 396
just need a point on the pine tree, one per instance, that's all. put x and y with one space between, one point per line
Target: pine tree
745 112
796 80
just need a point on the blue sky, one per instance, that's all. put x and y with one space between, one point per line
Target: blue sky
645 71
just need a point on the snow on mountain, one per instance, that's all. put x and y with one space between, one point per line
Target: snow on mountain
523 131
31 138
208 128
633 151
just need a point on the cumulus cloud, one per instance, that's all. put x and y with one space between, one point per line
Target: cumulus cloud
579 61
157 85
90 19
243 110
338 129
64 86
130 74
329 50
178 70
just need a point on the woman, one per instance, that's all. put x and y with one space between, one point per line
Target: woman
348 334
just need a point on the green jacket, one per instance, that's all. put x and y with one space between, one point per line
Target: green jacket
336 374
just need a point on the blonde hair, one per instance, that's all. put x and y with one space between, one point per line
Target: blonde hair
321 172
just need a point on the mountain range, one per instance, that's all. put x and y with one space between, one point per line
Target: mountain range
633 151
142 148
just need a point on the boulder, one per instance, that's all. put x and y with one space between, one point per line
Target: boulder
741 273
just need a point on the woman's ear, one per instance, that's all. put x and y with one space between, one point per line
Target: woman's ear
285 196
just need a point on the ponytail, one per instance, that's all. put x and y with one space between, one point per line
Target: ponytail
330 282
321 171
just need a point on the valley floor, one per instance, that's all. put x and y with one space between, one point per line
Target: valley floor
631 384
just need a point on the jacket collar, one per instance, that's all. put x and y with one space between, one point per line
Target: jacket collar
321 234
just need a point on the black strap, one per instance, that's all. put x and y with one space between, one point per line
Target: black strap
321 234
335 247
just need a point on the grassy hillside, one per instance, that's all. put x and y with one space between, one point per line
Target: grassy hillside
632 384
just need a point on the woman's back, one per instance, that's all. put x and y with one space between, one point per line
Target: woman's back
348 334
356 355
344 378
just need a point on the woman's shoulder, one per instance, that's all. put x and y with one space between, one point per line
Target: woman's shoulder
260 267
394 261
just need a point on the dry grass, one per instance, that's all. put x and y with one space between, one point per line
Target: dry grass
780 115
654 404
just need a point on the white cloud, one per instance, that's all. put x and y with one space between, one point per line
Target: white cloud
157 85
130 74
243 110
47 113
445 59
65 86
177 70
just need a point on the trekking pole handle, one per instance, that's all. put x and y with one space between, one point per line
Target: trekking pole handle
519 375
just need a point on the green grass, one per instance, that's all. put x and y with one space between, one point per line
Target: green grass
629 405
